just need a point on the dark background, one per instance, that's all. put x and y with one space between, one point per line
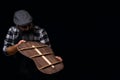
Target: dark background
108 41
72 33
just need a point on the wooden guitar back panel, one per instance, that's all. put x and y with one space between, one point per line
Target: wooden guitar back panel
42 55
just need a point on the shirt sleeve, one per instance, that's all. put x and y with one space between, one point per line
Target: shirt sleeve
44 37
9 39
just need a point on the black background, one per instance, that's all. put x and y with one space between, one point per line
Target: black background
108 41
72 32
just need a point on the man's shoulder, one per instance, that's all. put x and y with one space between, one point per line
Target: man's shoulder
38 27
13 28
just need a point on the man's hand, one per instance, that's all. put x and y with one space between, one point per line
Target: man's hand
21 41
59 58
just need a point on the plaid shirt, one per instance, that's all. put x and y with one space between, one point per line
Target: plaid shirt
14 36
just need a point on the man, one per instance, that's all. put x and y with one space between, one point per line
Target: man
24 30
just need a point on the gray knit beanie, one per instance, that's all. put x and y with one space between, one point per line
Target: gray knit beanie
22 17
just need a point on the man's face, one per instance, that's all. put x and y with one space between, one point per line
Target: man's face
26 27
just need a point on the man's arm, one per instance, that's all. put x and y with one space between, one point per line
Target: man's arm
11 50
